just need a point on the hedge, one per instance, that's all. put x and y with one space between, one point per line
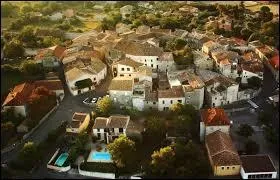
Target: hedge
98 167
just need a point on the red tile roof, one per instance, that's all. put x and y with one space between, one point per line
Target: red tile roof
214 117
50 84
274 61
58 51
20 95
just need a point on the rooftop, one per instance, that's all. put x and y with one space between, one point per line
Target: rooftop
138 49
221 150
129 62
114 121
257 163
121 84
50 84
214 117
174 92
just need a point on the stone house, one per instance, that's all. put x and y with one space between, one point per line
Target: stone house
170 96
120 90
211 120
202 60
220 91
109 128
222 154
79 123
193 86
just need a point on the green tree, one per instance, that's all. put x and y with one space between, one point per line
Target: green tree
8 9
122 150
104 105
251 147
29 155
155 128
13 49
176 108
245 130
162 161
265 9
31 68
26 9
7 131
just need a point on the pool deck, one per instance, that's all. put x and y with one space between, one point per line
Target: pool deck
93 150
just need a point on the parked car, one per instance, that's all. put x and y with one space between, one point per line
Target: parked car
90 101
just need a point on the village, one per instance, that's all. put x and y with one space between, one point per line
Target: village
133 102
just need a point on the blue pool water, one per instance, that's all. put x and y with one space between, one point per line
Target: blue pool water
101 156
61 159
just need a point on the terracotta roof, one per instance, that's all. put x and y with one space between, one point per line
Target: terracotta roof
137 49
58 51
151 96
145 70
118 121
121 84
274 61
74 74
214 117
174 92
250 56
100 123
114 121
266 50
254 67
222 80
79 116
166 56
210 44
129 62
19 95
257 163
221 150
50 84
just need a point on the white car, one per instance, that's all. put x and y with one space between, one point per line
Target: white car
90 101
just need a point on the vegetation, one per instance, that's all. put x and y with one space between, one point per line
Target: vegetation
245 130
122 150
104 106
98 167
251 147
13 49
180 160
78 147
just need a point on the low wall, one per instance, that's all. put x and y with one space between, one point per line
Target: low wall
40 122
59 169
96 174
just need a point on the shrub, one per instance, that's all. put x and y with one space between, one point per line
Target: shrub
98 167
94 139
7 68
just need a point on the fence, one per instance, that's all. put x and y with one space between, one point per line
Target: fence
97 174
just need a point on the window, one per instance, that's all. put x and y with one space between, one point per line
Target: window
98 130
222 168
122 69
151 60
121 75
157 66
171 101
227 167
128 69
145 64
147 102
180 101
145 60
215 98
162 102
129 74
94 79
157 59
154 102
121 130
152 65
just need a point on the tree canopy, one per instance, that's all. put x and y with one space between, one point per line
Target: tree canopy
104 105
122 149
245 130
13 49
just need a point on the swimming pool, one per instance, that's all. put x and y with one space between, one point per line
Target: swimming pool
101 156
61 159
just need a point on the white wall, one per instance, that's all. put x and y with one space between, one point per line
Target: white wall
121 97
246 75
201 130
138 103
167 102
18 109
245 175
151 61
123 70
195 97
101 132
